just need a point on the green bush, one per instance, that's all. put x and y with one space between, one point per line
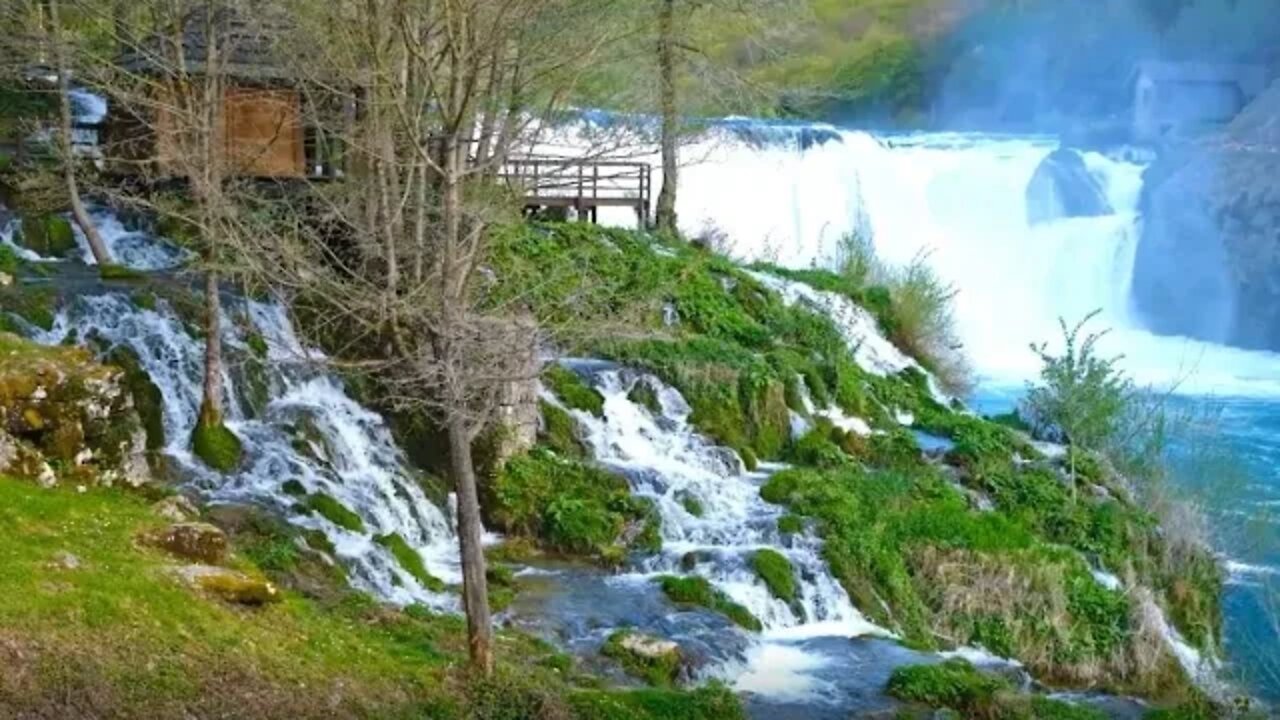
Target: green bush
775 570
698 591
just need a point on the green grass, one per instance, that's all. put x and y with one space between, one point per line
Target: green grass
697 591
121 635
958 686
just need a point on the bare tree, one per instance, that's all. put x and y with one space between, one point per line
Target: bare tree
389 263
58 45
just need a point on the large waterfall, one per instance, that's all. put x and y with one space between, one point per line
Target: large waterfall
788 194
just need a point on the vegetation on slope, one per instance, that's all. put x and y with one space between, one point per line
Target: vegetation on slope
95 623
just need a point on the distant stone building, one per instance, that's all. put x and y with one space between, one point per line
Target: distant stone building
1173 100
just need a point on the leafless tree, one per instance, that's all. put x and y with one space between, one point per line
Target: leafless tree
428 102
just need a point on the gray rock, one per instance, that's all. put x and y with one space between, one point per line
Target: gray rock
1208 264
1063 187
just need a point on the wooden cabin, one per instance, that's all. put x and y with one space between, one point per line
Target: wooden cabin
261 123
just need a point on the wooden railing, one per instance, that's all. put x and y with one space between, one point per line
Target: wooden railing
583 185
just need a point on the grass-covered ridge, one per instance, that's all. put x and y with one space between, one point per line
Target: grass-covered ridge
90 618
919 543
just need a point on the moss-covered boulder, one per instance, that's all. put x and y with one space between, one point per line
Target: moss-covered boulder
231 586
572 390
216 446
698 592
775 571
410 560
327 507
48 235
65 416
654 660
196 541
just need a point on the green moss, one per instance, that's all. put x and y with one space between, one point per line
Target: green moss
257 345
48 235
775 570
790 524
35 305
293 488
148 401
572 391
749 459
559 431
410 561
690 503
699 592
216 446
10 263
815 448
659 670
645 396
112 271
335 512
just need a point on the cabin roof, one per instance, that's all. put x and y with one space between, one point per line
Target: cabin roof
1252 79
243 50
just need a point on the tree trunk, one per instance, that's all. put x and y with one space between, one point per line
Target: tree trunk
666 215
211 402
78 211
475 586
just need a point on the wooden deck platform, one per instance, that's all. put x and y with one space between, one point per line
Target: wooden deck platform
583 186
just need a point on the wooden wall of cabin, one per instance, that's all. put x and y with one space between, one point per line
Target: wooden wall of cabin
260 128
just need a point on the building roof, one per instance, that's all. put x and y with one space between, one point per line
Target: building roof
244 49
1252 79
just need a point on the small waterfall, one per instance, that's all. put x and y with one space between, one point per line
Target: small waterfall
666 460
308 431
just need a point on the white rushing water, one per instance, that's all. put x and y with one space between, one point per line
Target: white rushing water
789 194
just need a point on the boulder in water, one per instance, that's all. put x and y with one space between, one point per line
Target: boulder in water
1062 187
655 660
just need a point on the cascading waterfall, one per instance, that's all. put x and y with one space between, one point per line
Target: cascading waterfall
310 431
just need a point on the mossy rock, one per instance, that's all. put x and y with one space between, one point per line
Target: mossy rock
690 503
148 401
216 446
559 431
335 512
697 591
656 661
573 391
790 524
47 235
774 569
644 395
410 560
35 305
293 488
